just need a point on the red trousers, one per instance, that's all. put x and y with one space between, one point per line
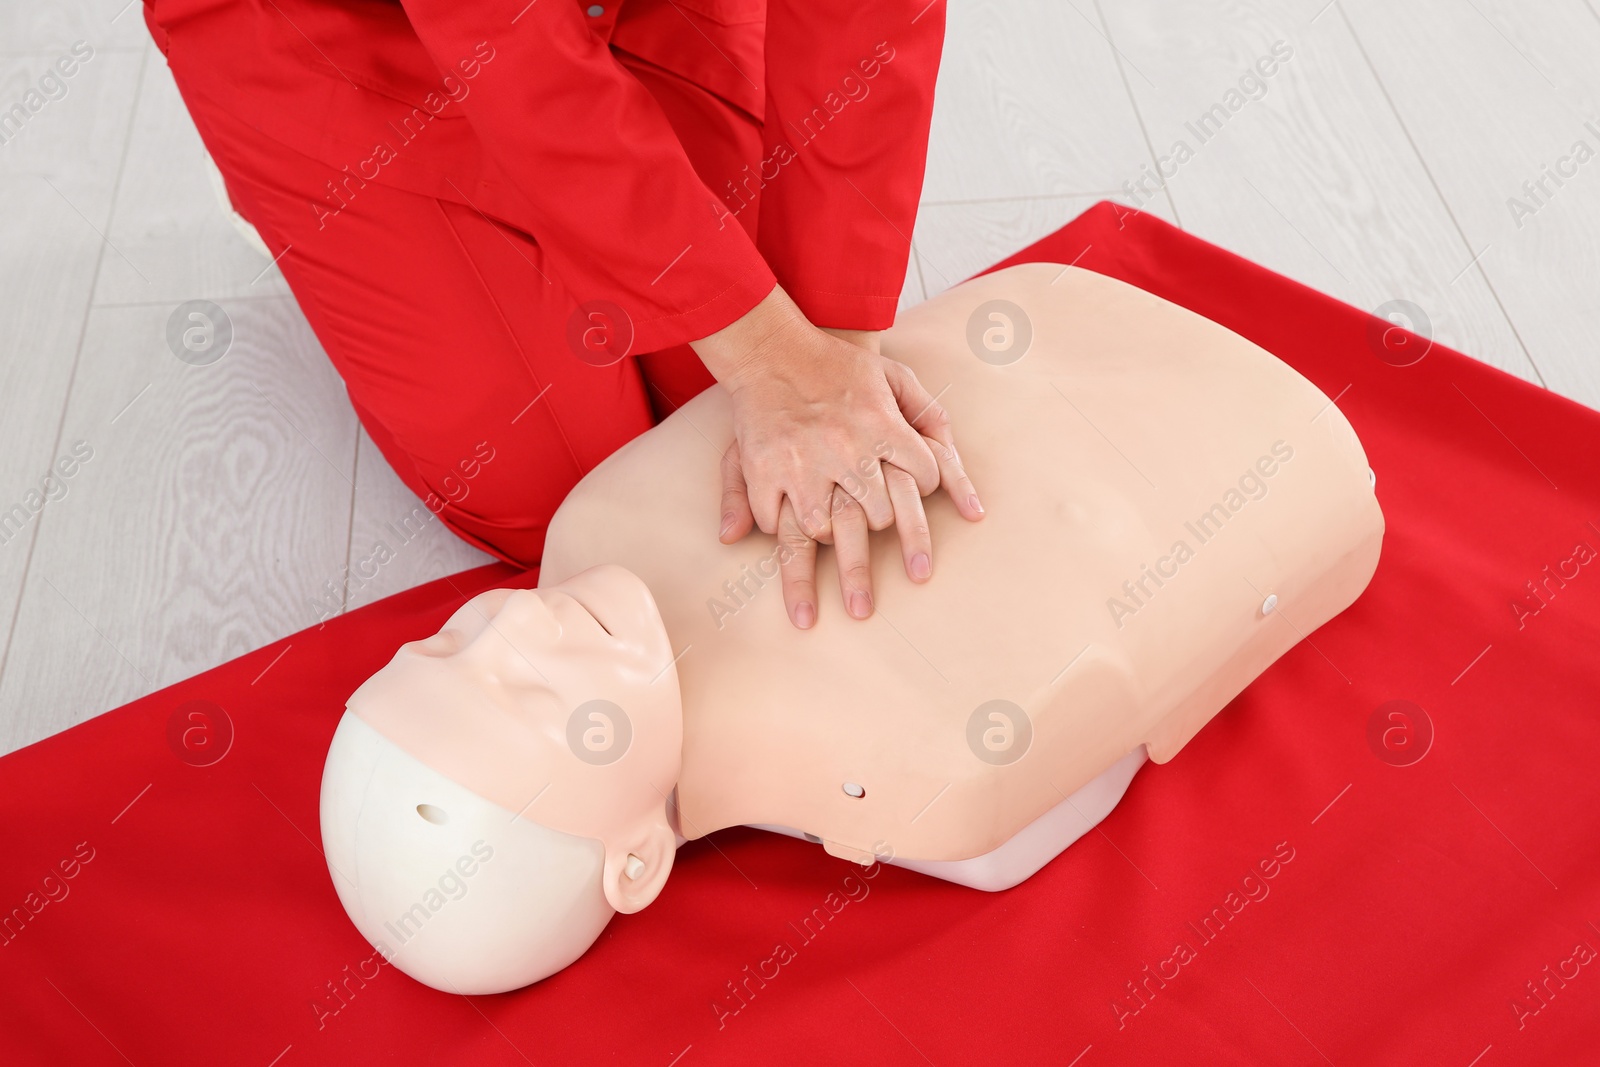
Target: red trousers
505 263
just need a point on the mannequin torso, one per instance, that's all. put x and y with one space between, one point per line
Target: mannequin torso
1150 478
1170 508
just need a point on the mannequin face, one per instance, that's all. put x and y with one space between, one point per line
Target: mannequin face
535 653
555 709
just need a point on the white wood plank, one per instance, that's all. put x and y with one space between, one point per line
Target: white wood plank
168 220
213 495
74 143
53 27
1315 178
955 241
1501 92
56 183
1029 103
395 541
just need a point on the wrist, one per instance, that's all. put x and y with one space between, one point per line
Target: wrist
867 339
743 346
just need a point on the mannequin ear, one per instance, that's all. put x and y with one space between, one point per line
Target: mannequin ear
633 877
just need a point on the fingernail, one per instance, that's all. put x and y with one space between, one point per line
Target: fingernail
804 615
727 525
860 604
972 502
921 566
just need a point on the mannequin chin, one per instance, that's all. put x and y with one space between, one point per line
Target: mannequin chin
1170 509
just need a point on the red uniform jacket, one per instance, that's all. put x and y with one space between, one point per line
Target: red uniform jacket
522 109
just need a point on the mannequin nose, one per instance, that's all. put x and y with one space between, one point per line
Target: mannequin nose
523 625
526 610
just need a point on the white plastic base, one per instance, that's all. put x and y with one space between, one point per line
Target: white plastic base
1034 845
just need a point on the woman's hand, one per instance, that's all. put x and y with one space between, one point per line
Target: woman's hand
830 440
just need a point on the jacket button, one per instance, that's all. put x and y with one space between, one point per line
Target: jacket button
595 11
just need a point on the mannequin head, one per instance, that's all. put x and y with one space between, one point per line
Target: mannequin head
500 788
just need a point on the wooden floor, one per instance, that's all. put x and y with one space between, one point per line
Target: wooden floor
1378 163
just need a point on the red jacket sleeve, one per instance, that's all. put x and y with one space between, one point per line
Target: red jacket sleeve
618 207
849 99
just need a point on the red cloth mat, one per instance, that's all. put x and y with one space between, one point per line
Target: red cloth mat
1286 891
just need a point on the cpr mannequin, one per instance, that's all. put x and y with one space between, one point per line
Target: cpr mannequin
1169 509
